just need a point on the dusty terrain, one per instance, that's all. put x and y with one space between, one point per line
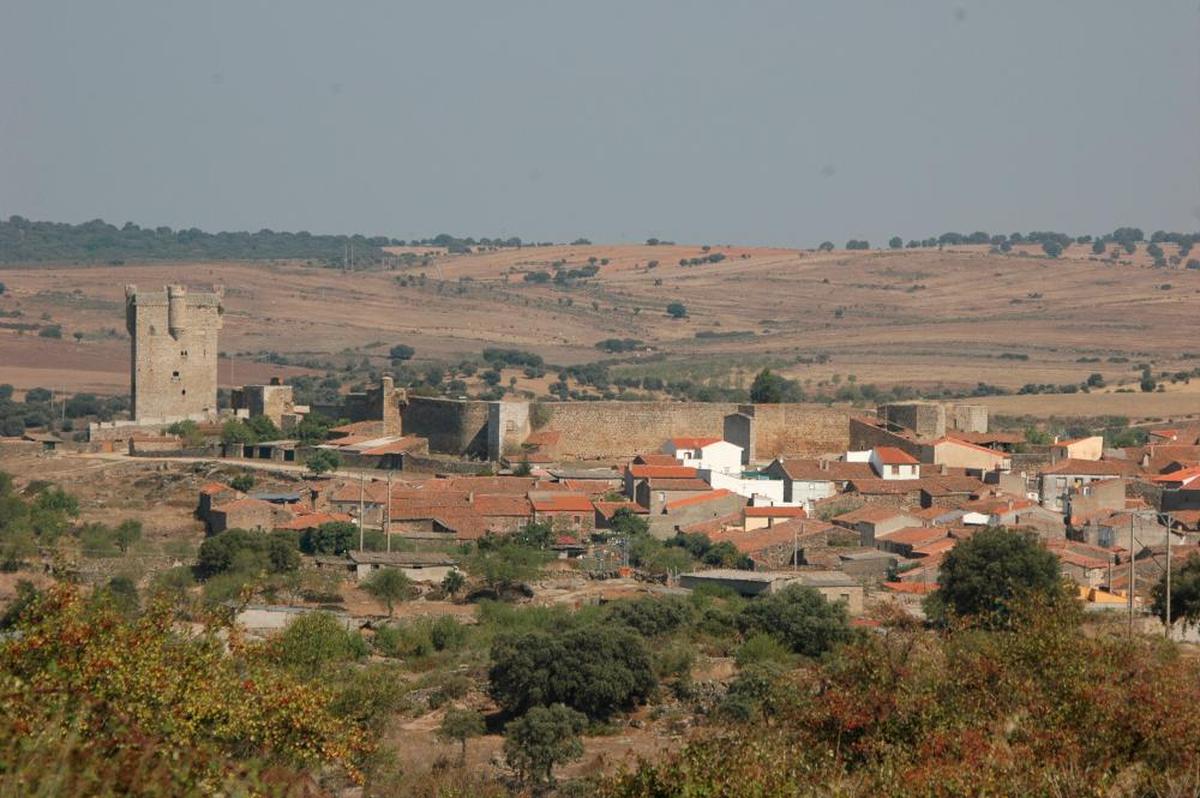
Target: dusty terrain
918 317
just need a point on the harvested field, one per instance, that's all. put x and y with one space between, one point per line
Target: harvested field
917 317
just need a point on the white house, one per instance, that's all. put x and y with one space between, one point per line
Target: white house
892 463
711 454
765 489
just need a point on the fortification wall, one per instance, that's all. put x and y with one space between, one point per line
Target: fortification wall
452 426
802 430
607 430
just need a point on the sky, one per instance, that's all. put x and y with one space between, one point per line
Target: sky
773 122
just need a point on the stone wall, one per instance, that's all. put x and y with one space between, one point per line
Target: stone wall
173 351
451 425
617 430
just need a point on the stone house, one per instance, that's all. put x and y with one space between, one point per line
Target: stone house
871 521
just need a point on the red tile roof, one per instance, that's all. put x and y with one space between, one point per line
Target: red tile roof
502 505
776 512
671 485
562 503
1093 468
890 455
655 459
914 535
1183 476
661 471
693 443
213 488
699 498
869 513
608 509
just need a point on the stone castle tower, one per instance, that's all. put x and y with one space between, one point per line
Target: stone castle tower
173 352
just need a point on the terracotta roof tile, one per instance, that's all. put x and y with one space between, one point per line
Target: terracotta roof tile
562 503
890 455
662 471
699 498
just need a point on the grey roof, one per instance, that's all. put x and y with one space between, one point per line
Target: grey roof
585 473
401 559
276 497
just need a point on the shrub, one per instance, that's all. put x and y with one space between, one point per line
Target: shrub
314 640
597 670
800 618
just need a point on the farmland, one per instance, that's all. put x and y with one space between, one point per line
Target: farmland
927 318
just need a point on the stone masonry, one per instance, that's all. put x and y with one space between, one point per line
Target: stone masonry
173 352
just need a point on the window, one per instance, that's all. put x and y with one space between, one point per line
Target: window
174 375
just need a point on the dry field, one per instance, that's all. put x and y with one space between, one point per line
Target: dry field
918 317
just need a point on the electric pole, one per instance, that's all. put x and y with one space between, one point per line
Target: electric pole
363 519
1168 616
387 524
1132 575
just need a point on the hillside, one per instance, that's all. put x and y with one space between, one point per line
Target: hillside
920 317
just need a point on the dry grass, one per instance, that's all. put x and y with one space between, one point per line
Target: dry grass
918 317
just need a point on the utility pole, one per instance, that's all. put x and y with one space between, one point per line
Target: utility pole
1132 575
363 519
387 524
1168 617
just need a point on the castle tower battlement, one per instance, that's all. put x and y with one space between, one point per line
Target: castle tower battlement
173 351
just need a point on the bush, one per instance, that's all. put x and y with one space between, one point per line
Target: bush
335 537
597 670
401 352
677 310
800 618
651 617
314 640
247 552
322 461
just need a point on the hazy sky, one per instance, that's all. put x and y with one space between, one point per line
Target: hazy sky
714 121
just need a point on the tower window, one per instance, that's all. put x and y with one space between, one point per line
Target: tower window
183 392
175 374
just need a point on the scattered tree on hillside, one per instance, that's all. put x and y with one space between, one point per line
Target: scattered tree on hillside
677 310
896 242
543 738
826 246
389 585
460 725
1052 248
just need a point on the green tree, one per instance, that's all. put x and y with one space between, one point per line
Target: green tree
627 523
235 430
1052 248
768 388
896 242
595 669
460 725
335 537
826 246
315 639
985 574
542 738
1185 592
389 585
677 310
401 352
322 461
127 533
800 618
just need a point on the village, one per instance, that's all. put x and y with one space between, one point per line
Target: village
862 506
